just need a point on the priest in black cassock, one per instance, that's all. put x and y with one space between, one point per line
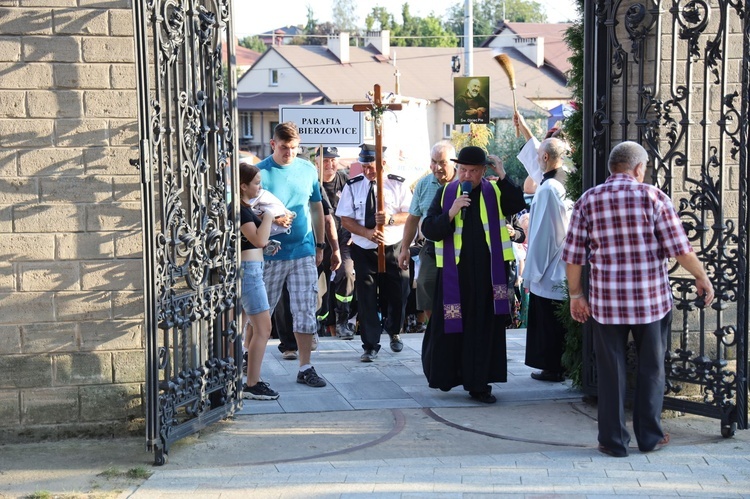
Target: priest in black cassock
465 339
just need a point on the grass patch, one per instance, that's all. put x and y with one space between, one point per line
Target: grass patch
139 473
111 472
41 494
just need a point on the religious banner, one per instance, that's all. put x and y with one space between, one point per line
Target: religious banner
471 100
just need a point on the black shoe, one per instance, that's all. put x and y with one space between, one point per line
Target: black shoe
396 344
261 391
548 376
310 378
369 356
610 452
344 331
484 397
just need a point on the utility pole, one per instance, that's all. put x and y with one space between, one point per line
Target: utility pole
468 38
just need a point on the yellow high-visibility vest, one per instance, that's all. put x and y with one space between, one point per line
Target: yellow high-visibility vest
504 236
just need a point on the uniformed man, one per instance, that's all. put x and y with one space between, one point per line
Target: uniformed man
340 291
357 210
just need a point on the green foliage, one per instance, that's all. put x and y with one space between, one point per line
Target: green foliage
506 145
253 43
573 129
41 494
311 21
138 473
572 358
478 135
382 17
487 13
111 472
417 31
345 15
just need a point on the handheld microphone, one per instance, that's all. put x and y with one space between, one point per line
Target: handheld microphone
465 189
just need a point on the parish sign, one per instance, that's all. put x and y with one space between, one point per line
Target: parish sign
329 125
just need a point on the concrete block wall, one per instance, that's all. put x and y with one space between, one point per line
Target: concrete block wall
71 339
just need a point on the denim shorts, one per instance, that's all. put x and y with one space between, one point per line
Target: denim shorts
254 297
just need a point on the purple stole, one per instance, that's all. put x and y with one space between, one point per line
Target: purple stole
451 290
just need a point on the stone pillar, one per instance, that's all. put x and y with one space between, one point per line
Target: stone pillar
71 303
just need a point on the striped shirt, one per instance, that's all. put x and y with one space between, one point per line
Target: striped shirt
626 230
424 193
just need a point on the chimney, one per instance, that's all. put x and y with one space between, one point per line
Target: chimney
339 46
381 40
532 48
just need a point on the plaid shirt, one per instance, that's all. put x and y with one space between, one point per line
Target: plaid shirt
626 230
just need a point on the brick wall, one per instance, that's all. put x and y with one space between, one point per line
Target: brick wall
71 340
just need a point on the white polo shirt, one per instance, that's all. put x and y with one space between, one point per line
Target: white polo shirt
397 198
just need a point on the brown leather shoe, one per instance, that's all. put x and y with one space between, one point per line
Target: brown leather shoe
660 444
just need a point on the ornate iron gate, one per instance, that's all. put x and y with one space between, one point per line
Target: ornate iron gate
673 75
186 113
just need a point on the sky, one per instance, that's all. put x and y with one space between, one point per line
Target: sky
256 16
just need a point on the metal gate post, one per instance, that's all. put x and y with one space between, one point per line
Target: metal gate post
186 116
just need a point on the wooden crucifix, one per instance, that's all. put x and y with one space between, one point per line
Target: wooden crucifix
376 108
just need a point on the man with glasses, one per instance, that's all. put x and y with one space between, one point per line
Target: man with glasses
464 344
360 217
443 171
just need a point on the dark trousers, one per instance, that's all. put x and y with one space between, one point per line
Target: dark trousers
340 292
393 287
610 347
545 335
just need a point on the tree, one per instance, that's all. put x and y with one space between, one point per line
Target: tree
487 13
434 34
253 43
311 21
382 17
413 31
315 32
344 15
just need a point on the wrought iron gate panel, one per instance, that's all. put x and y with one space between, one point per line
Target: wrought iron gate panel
673 75
190 214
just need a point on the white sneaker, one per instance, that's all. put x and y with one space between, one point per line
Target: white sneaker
314 342
289 355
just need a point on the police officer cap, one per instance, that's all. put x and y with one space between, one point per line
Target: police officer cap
330 152
367 153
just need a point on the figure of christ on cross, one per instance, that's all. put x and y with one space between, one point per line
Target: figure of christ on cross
376 109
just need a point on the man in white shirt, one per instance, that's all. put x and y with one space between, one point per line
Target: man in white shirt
544 270
358 214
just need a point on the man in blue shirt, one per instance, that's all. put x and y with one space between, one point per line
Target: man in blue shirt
443 171
295 182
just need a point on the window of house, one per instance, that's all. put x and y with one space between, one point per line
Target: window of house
369 130
246 125
447 130
273 75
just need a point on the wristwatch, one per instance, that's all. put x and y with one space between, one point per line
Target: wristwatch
391 221
320 245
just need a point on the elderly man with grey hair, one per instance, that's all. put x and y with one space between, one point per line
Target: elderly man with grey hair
626 230
544 271
443 171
